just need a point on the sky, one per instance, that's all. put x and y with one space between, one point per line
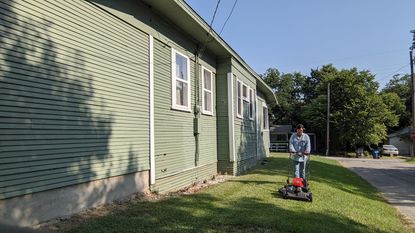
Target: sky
300 35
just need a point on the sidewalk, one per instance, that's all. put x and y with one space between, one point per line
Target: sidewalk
394 178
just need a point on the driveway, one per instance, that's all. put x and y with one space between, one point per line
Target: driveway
394 178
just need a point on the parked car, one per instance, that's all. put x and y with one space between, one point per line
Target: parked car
390 150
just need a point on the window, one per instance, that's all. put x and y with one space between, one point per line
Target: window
265 118
239 104
278 137
180 81
245 92
251 104
207 92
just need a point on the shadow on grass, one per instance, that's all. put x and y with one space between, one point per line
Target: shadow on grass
322 172
206 213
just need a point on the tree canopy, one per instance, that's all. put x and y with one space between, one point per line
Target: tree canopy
359 113
400 85
288 89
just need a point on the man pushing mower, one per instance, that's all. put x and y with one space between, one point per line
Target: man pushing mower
299 154
300 149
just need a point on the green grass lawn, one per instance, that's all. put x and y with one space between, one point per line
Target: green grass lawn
343 202
410 160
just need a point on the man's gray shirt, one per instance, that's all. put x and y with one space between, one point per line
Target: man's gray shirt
300 144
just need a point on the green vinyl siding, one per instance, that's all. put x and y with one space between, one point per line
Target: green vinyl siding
223 68
207 140
175 145
245 135
73 96
174 141
207 136
245 128
245 164
176 161
185 178
245 132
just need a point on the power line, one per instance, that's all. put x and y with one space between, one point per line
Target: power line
236 1
214 14
399 69
209 38
393 73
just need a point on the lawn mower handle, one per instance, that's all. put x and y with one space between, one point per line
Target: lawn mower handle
299 154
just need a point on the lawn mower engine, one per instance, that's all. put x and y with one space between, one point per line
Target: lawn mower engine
297 189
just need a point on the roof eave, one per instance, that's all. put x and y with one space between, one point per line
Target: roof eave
200 30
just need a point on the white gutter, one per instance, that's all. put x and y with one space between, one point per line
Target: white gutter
231 118
151 81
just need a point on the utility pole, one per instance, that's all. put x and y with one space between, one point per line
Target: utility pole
328 120
411 64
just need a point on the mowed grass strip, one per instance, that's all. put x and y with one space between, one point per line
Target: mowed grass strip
410 160
343 202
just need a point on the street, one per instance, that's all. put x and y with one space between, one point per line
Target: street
394 178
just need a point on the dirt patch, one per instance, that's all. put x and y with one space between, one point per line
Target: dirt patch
203 184
64 224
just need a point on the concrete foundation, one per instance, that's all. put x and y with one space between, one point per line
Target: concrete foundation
39 207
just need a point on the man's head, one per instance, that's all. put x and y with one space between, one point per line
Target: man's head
300 129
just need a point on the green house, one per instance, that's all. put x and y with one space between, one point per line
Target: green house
103 99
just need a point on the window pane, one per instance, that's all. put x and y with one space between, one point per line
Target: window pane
185 95
239 106
181 93
181 67
245 91
250 95
282 137
264 114
208 101
251 109
265 117
207 80
277 137
251 104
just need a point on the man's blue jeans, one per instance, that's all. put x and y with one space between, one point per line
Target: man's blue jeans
299 169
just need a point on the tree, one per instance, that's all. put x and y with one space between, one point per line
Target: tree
401 86
288 90
313 81
358 114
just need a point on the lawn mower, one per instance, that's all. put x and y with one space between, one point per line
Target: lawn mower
298 188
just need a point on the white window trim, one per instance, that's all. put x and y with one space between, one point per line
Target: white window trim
174 80
251 102
239 95
258 125
265 119
205 112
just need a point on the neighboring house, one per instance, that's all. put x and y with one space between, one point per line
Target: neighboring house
279 137
103 99
401 140
313 142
